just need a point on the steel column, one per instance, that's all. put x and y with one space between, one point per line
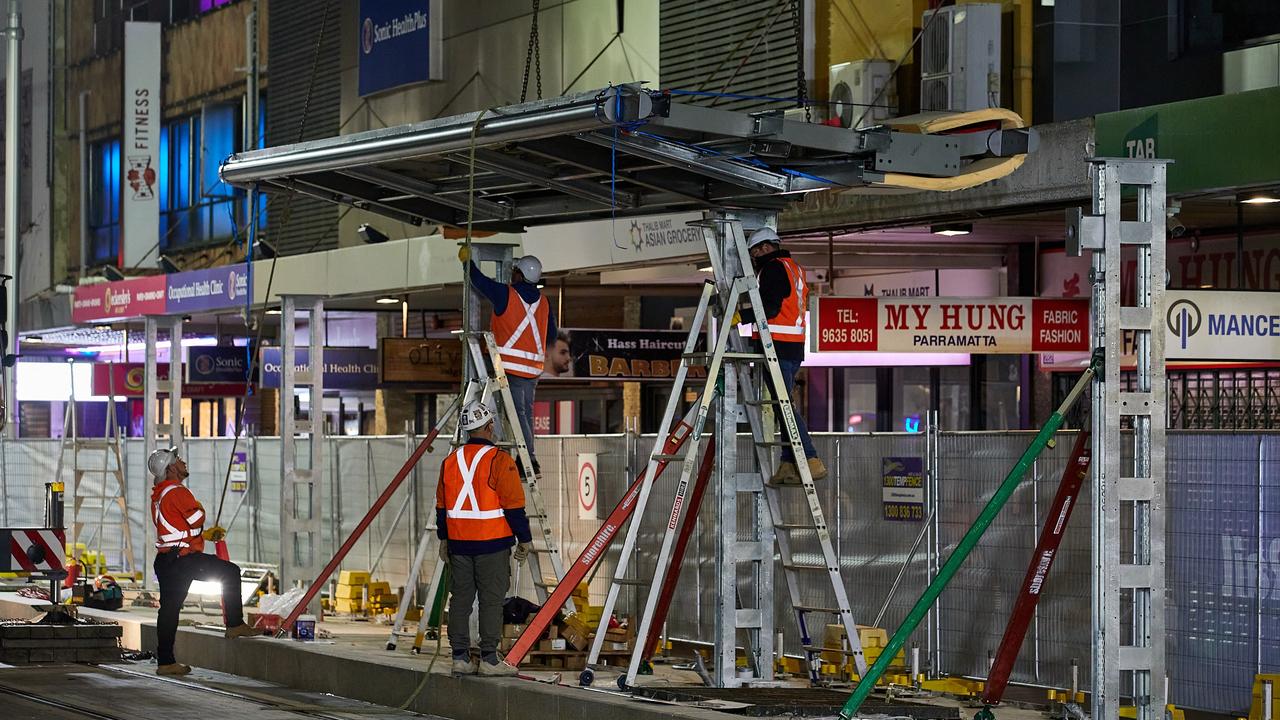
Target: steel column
1128 576
12 182
301 488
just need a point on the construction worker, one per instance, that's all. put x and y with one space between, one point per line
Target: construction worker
180 557
479 517
785 295
523 327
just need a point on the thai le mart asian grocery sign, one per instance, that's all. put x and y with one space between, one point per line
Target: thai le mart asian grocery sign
979 325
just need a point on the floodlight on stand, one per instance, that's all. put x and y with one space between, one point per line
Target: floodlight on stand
371 234
952 229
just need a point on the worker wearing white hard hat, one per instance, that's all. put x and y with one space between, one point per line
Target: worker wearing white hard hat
479 517
523 328
180 558
785 294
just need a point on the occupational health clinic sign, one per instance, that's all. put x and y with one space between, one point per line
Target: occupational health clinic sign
978 325
140 147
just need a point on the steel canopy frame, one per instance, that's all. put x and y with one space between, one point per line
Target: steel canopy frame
622 150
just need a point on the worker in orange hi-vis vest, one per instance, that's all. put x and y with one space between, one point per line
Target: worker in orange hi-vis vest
785 294
523 328
479 517
180 558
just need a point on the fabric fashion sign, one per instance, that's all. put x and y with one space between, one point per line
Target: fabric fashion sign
140 147
980 325
399 43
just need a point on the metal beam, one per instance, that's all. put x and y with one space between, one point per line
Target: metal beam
759 179
360 193
484 208
327 195
597 160
545 177
542 118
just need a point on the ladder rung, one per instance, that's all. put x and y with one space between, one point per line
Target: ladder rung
814 609
819 648
663 456
638 582
729 355
794 526
544 584
793 566
758 403
773 443
501 444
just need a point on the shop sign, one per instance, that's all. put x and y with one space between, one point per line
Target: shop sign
902 491
979 325
954 282
399 44
1189 133
1215 325
595 354
218 364
419 360
126 379
217 288
126 298
345 368
140 146
607 243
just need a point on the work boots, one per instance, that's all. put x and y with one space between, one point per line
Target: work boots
175 668
817 469
789 474
242 630
496 666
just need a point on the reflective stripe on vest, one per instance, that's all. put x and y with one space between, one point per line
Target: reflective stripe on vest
468 491
520 356
789 324
172 536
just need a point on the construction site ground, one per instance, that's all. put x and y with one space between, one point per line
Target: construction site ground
350 660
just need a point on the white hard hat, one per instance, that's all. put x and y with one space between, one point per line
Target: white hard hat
476 415
530 267
763 235
160 460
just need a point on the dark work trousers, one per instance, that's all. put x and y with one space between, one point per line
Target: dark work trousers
489 576
175 573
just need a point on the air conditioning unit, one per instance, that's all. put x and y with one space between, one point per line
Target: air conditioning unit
858 90
960 58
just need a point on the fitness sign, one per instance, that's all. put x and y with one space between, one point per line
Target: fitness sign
979 325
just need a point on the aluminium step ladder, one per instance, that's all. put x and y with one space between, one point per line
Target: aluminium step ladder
490 383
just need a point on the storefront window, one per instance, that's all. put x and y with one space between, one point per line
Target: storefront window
910 399
1001 392
955 400
860 399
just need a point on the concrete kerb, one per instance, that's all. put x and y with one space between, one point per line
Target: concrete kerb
388 681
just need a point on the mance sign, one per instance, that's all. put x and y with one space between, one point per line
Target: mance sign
980 325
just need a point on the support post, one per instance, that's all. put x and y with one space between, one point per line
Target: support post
13 179
1128 586
301 488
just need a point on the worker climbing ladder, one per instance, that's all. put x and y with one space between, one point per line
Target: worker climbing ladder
737 613
489 381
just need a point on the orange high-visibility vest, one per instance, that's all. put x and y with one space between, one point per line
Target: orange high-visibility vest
788 325
178 517
473 510
520 333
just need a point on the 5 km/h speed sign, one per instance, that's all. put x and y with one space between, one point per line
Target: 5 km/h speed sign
587 486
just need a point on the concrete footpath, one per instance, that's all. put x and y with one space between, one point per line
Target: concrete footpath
367 672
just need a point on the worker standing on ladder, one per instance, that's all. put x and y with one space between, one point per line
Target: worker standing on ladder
180 558
479 516
523 328
785 294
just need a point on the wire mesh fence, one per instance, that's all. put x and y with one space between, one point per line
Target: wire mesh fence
1222 544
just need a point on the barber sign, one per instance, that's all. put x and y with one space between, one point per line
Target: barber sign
34 550
976 325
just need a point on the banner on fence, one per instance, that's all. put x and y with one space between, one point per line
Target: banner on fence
239 477
980 325
903 488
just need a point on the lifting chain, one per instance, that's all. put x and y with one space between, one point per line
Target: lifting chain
532 58
802 85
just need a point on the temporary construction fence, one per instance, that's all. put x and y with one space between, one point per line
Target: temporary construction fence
1223 543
